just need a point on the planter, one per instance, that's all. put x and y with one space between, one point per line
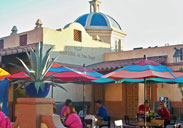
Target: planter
29 110
31 91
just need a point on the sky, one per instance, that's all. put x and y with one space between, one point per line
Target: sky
146 22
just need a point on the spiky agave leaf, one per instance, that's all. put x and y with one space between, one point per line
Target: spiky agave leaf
48 67
46 57
59 85
20 83
52 83
30 74
39 66
45 61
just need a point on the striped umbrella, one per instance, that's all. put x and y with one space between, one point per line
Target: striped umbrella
143 69
95 74
63 74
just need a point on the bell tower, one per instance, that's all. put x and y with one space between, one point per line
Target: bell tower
94 6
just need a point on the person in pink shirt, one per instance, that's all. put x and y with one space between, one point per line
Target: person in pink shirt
68 103
72 120
4 123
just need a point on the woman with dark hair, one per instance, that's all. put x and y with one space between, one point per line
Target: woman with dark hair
68 103
72 120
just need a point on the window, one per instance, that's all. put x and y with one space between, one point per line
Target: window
77 35
23 40
117 45
1 44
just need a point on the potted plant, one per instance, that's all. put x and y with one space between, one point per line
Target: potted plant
37 84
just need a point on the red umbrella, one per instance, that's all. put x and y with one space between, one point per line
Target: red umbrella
64 74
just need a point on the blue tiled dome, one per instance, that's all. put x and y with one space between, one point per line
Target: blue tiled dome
98 21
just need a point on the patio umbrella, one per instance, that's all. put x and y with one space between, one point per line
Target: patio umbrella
178 79
3 74
63 74
142 69
95 74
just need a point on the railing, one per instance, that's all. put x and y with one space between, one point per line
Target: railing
178 112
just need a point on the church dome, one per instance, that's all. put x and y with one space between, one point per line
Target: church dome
98 20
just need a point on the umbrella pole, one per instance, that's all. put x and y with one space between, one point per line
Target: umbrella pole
83 94
52 91
145 102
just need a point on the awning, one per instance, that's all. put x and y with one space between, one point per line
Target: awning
16 50
112 65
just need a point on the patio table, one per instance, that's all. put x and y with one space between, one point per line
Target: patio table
148 124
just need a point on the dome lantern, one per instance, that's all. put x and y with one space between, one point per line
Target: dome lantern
94 6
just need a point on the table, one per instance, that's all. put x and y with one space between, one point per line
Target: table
148 124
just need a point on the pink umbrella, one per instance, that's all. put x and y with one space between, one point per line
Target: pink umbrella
63 73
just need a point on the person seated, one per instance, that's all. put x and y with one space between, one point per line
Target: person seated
141 109
91 117
72 119
68 103
102 114
83 112
4 122
164 113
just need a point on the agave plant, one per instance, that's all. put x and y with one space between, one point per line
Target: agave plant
40 64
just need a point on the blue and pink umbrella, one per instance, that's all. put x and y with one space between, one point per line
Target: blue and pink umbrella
143 69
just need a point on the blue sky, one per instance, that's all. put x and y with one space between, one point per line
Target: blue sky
146 22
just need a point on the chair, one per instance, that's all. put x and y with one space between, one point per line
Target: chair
173 121
127 123
118 124
108 124
87 122
51 121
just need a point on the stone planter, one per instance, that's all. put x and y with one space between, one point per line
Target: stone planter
29 110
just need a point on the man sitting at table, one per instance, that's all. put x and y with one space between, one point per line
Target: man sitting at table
102 114
164 113
141 110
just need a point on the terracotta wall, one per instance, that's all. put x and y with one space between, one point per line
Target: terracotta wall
169 90
113 92
116 109
115 101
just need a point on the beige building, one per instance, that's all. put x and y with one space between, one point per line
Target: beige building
82 42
